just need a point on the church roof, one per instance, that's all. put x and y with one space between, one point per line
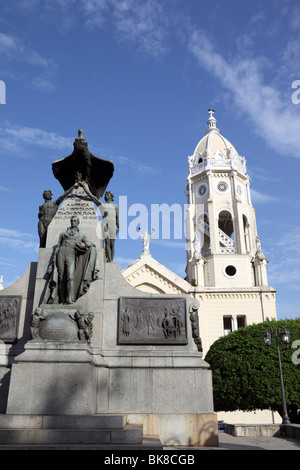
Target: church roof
215 146
148 275
213 140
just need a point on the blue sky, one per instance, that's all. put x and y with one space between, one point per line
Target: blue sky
138 76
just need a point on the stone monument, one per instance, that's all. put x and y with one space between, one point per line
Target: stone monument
82 342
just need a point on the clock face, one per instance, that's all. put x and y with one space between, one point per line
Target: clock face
222 187
201 190
239 190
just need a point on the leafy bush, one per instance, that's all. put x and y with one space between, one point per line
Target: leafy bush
246 374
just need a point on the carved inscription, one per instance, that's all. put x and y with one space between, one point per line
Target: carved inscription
152 321
9 313
77 204
83 209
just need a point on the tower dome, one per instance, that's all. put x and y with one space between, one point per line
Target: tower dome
214 147
220 225
225 263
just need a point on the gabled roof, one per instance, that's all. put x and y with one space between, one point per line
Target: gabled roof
148 275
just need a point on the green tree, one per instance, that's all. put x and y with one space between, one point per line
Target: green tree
246 374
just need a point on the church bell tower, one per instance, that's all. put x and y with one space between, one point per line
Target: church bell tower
223 247
224 257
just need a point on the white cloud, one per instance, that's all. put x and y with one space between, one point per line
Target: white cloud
284 276
273 116
15 52
285 266
144 23
290 242
14 139
17 240
259 197
8 44
42 83
139 168
7 262
95 12
123 262
286 310
170 243
12 47
262 174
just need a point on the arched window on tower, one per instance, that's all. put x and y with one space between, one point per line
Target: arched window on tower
246 234
226 232
200 159
203 234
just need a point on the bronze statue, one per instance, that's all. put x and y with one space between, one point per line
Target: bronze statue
110 220
47 211
95 171
85 325
74 266
110 224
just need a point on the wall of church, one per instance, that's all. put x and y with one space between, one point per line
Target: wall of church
232 271
247 307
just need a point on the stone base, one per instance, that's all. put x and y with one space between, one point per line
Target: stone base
109 431
253 430
153 383
53 378
180 429
64 432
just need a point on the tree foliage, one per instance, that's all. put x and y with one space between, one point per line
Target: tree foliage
246 374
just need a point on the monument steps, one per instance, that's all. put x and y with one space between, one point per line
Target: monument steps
151 443
67 432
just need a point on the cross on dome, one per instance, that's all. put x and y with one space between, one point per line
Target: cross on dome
212 122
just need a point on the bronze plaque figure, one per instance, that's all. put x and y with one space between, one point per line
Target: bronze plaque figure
152 321
9 315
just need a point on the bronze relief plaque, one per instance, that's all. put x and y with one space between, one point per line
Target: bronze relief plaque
152 321
9 315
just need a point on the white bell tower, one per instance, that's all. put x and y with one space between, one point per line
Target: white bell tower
223 248
225 265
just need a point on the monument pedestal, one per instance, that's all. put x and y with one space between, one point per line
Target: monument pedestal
52 378
163 385
115 350
157 377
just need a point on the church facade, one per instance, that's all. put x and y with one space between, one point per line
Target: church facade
226 270
225 263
